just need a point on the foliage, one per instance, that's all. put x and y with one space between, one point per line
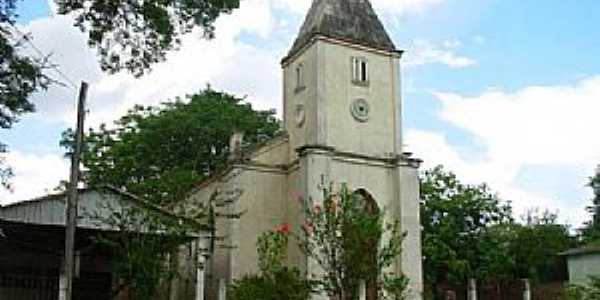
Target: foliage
20 76
584 292
128 34
159 153
133 35
275 281
459 221
140 245
591 232
5 172
343 236
536 244
272 249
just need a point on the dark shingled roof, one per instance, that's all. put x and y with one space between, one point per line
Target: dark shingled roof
348 20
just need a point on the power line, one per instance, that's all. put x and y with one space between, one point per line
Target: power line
44 56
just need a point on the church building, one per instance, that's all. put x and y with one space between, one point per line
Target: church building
342 111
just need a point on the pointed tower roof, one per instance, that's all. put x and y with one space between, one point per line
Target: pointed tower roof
348 20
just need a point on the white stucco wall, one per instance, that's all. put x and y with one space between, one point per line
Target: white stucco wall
375 137
263 207
581 267
275 152
308 98
329 93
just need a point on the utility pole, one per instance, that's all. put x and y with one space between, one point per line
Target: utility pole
71 220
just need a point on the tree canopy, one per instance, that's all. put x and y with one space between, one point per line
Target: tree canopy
128 35
160 152
133 35
455 219
468 232
536 244
20 76
591 231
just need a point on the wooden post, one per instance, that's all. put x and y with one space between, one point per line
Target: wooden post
71 218
362 290
472 290
526 289
202 245
222 289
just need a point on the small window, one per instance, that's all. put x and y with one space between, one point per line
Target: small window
299 77
360 71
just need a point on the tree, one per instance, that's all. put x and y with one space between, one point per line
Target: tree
133 34
343 236
129 35
591 231
20 76
535 246
275 281
159 153
458 223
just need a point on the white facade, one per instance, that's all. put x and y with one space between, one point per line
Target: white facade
583 266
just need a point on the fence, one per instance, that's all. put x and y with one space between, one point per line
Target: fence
27 287
500 290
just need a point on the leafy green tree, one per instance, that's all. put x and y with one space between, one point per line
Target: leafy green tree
343 236
133 35
159 153
128 34
459 221
591 231
536 244
275 281
20 76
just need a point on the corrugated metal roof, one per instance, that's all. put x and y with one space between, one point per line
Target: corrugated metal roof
93 205
588 249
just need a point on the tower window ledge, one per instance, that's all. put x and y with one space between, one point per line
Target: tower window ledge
299 89
360 83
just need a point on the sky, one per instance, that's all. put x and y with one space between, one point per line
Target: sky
504 92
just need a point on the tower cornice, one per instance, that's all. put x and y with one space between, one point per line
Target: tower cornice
347 43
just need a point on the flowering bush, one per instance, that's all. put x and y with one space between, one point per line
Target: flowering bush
272 249
343 235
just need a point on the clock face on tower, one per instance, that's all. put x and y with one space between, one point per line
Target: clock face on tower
359 108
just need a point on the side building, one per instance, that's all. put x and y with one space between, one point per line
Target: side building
32 243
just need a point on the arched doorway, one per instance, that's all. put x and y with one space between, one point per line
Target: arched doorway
369 235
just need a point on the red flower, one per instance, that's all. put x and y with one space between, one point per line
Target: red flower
317 209
283 228
308 227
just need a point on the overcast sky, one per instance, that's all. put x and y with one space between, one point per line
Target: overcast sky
499 91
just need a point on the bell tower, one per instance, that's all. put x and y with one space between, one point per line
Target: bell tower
342 81
343 115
